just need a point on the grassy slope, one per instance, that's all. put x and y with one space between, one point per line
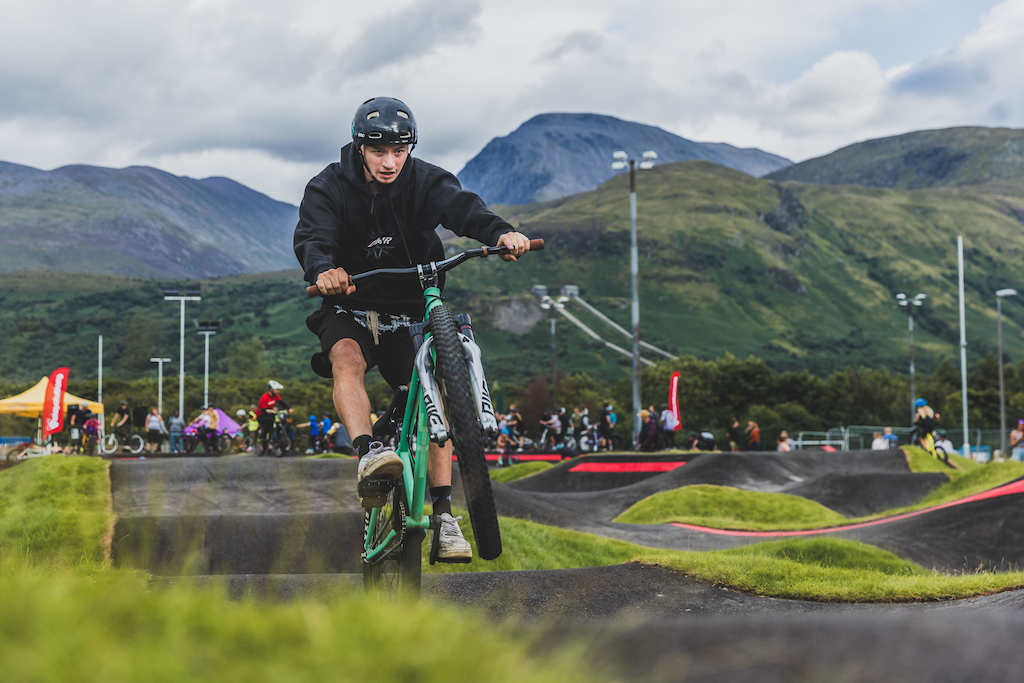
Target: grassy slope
518 471
725 507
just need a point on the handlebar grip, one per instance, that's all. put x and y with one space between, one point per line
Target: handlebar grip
536 245
312 291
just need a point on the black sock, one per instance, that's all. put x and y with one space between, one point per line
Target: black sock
361 444
441 496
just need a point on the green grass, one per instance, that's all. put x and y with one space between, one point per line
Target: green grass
919 460
504 475
112 628
725 507
528 545
830 570
56 510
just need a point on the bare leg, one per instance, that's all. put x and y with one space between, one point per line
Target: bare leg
439 464
350 399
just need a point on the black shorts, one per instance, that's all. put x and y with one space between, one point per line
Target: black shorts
392 353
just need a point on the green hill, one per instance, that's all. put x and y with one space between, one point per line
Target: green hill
932 158
802 275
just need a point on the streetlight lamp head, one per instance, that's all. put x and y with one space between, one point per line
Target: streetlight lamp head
192 290
618 165
646 165
620 156
171 292
650 155
1006 292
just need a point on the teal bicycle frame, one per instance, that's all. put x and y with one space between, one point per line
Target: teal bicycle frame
414 471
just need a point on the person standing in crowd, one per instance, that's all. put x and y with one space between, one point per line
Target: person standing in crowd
735 435
1017 441
668 426
155 430
753 434
891 440
783 443
878 443
176 428
515 425
646 440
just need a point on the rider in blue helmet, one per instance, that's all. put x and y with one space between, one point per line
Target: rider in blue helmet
920 403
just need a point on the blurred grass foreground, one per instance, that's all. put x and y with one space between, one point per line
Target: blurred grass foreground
66 614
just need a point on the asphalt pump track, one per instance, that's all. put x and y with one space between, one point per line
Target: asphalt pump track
289 528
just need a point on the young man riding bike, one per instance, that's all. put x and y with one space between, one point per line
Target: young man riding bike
378 208
269 402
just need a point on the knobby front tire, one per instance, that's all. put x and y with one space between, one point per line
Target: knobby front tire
398 573
452 373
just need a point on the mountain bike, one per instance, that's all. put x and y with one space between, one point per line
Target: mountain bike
276 442
214 442
449 400
111 443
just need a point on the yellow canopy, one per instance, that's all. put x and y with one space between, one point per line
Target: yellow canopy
29 403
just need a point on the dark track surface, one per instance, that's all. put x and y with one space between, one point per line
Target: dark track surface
238 516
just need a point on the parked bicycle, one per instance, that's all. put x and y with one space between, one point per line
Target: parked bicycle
213 442
447 372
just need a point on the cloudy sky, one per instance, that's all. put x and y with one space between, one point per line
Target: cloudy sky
263 91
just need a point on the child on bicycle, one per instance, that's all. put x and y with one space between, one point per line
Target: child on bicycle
377 207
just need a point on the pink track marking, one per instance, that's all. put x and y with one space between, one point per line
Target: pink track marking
626 466
1005 490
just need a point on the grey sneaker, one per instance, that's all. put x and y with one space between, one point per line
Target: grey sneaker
377 469
452 546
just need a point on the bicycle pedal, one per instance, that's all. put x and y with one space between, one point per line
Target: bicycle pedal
455 560
373 491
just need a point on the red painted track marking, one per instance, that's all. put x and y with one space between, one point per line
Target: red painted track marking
626 466
1006 490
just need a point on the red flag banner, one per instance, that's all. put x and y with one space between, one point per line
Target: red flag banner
673 399
53 403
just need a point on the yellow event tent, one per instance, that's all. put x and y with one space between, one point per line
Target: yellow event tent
29 403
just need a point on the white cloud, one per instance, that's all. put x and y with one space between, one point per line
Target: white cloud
262 91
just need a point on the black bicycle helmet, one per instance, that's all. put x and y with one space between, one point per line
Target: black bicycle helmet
384 120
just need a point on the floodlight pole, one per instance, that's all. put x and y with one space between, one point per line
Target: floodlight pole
206 329
963 344
99 382
634 277
160 382
181 355
999 335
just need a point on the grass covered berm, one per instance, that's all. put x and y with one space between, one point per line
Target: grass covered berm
504 475
725 507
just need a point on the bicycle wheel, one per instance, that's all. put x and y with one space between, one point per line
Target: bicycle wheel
136 444
109 444
398 572
464 423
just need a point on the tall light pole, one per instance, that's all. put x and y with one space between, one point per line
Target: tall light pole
191 294
999 335
910 304
547 303
622 160
160 382
206 328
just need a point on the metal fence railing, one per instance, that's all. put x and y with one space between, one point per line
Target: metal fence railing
859 437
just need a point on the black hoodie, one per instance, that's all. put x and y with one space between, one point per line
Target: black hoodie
342 223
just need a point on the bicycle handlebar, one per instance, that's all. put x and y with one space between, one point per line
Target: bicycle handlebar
438 266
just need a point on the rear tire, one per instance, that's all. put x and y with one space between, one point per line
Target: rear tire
464 423
398 574
136 444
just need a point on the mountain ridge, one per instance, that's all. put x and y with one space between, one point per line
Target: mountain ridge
560 154
139 221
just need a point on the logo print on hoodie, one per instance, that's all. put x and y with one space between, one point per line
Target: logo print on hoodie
380 245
